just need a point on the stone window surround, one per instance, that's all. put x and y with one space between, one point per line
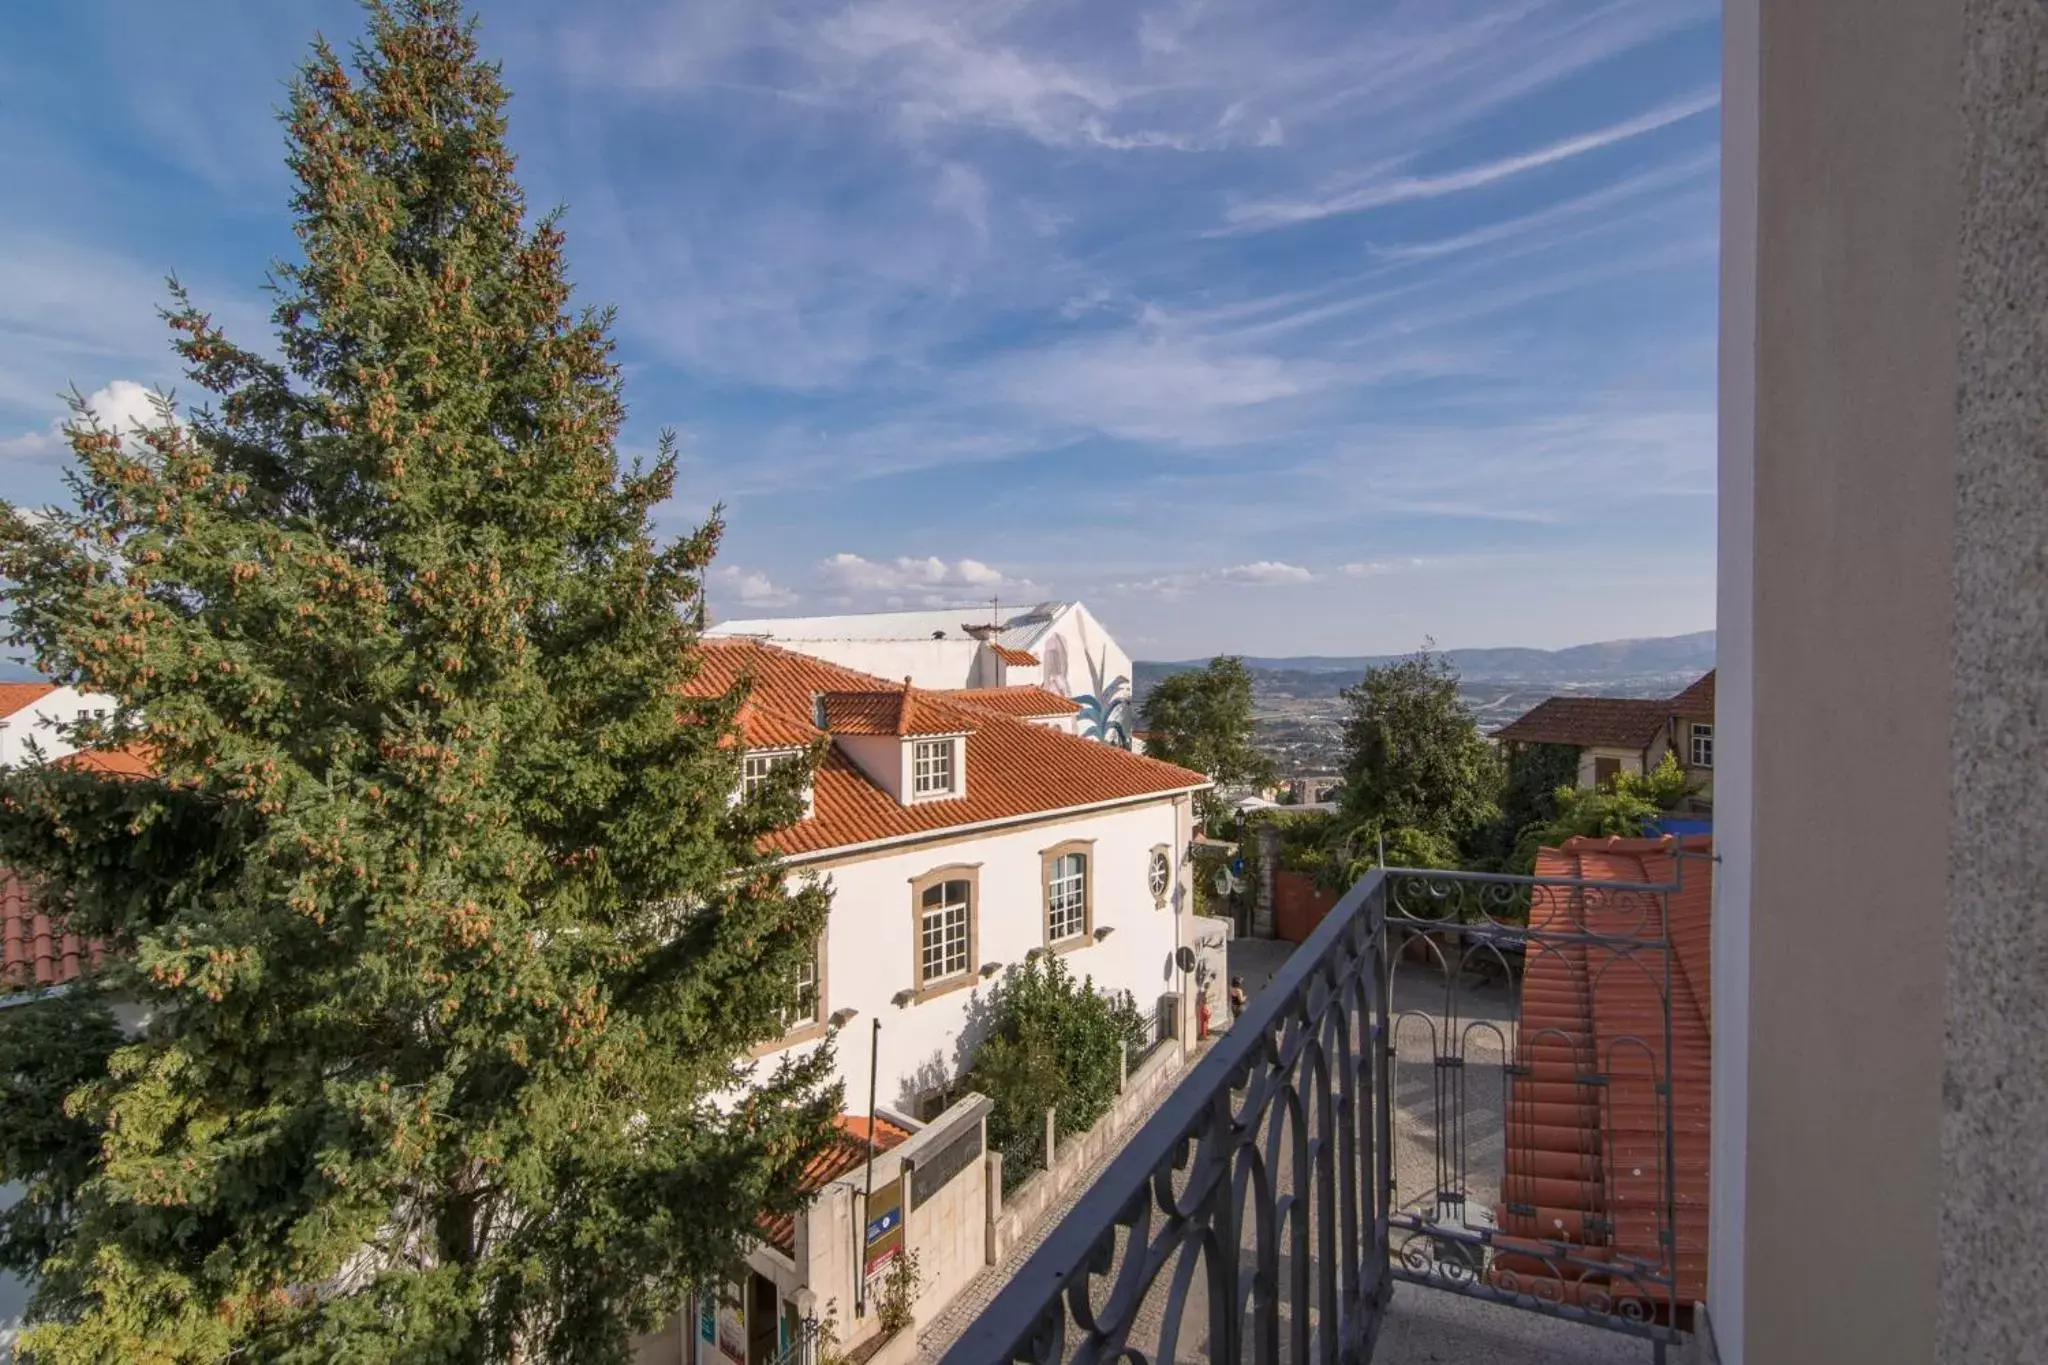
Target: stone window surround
815 1029
1046 858
951 872
1164 893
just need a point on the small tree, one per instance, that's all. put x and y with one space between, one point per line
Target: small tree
1414 758
1202 719
451 934
1054 1042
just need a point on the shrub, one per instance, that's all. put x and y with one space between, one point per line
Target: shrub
1055 1042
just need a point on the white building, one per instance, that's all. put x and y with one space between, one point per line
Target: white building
37 710
962 833
1058 646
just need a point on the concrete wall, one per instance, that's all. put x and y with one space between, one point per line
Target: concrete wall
1994 1200
1837 479
870 939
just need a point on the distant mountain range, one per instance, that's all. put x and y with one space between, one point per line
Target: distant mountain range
1621 666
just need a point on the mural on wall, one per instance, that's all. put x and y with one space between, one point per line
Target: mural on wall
1052 655
1105 709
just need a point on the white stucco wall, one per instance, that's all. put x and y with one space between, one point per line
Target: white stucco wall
1631 761
41 720
870 939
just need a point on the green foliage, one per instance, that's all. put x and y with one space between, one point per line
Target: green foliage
1054 1042
1535 774
449 931
896 1304
1417 771
1202 719
1618 810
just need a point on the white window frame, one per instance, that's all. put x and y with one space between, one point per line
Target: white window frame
954 940
1702 742
932 765
794 1017
759 763
1066 898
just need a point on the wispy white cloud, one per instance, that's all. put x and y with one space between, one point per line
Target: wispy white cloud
1378 189
1178 583
121 407
750 588
914 581
1266 573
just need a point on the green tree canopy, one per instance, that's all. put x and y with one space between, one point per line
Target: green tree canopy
1202 719
1413 755
451 935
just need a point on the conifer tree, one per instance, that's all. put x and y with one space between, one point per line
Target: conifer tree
452 940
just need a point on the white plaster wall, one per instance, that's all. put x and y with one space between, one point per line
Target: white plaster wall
870 939
927 663
1631 762
61 707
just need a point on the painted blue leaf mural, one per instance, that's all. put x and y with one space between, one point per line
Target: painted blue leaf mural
1105 711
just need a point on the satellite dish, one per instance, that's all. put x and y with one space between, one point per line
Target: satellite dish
1184 958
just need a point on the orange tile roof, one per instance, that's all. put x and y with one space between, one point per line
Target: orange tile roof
34 953
849 1148
1586 1162
131 761
1605 722
1025 699
16 695
1697 701
1014 769
1016 658
903 711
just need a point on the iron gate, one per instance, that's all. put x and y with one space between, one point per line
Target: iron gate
1458 1081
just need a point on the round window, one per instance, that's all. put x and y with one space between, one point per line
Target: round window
1161 875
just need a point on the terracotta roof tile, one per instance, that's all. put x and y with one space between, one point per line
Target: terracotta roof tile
1026 700
16 695
1586 1163
34 953
131 761
1606 722
1016 658
1697 701
849 1148
883 710
1013 769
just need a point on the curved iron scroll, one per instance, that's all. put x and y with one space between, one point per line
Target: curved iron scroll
1247 1220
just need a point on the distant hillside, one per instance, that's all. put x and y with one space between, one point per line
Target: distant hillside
1650 667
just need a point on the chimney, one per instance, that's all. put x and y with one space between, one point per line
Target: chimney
818 710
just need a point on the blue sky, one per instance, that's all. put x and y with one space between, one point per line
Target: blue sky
1320 327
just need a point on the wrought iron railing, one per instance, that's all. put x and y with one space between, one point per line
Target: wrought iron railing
803 1349
1230 1227
1382 1112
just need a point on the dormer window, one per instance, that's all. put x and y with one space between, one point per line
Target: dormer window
931 768
758 764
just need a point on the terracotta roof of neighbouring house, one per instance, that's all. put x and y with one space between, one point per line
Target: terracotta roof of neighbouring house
1585 1139
1013 768
1590 722
1016 658
15 695
849 1148
1025 700
34 954
1696 701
